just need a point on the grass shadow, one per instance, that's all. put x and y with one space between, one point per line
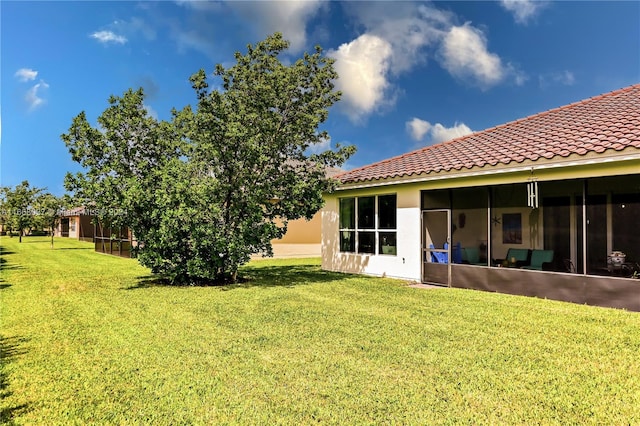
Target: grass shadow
258 276
10 348
6 266
148 281
284 276
73 248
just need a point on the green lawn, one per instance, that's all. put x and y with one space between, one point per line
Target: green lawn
88 338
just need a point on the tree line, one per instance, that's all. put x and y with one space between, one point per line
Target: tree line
24 208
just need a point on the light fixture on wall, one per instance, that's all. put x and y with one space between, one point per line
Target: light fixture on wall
532 191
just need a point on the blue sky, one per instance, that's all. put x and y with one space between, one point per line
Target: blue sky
411 73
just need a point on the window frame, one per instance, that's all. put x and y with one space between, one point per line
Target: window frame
356 231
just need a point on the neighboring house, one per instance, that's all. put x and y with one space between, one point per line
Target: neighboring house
79 223
303 237
75 223
537 207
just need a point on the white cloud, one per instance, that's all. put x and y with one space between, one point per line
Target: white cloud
33 97
322 146
201 5
132 27
406 26
523 10
564 78
26 74
440 133
192 39
464 54
419 128
109 37
288 17
412 33
362 66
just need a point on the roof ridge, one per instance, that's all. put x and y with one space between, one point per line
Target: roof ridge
562 107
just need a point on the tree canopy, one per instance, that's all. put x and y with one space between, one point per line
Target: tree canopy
205 190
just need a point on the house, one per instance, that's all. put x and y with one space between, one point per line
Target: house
76 223
544 206
303 239
80 223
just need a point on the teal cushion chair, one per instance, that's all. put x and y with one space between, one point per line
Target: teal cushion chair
471 255
522 256
540 260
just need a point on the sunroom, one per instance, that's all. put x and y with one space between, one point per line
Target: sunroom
540 207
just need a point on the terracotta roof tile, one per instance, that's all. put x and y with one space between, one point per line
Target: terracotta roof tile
609 122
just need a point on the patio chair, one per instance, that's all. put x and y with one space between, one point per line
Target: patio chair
456 252
438 257
471 255
540 260
522 257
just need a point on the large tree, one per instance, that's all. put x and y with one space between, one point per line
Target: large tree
217 183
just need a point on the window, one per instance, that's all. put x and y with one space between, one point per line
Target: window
368 225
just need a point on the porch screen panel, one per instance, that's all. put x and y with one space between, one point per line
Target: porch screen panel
515 227
436 199
469 232
557 230
625 212
596 233
625 218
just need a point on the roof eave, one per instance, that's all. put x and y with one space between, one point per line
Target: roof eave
491 170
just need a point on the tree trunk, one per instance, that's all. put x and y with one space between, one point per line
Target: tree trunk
20 240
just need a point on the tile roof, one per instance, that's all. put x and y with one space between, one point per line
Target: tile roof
605 123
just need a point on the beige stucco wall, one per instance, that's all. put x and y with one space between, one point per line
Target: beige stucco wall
302 239
302 231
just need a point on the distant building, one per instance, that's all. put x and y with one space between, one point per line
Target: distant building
303 237
75 223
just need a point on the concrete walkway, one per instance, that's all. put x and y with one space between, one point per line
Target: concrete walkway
427 286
